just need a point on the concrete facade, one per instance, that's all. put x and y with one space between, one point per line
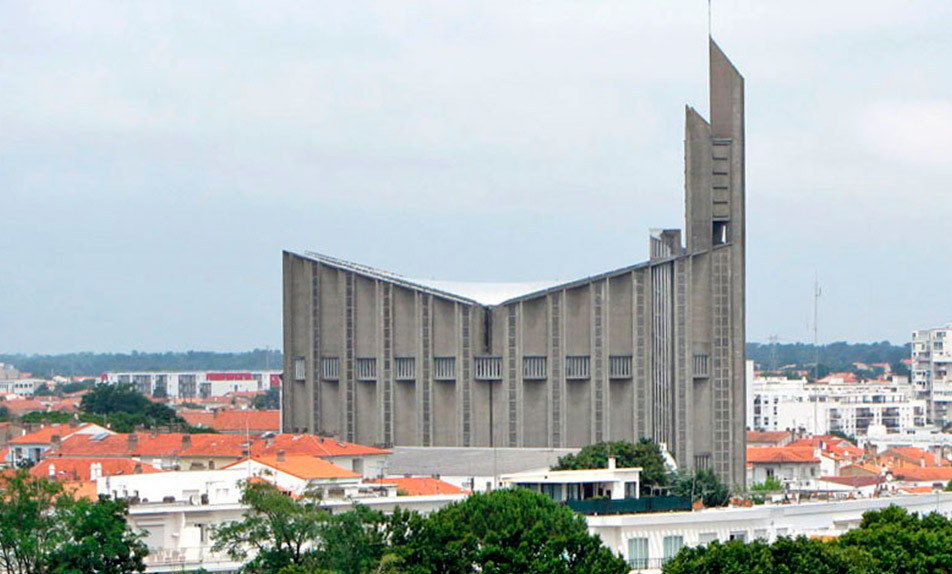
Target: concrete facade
654 349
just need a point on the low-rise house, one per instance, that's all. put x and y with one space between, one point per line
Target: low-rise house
597 483
183 451
791 465
936 477
296 474
88 469
34 445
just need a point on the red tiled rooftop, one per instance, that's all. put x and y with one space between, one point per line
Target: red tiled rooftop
23 406
767 436
781 454
418 485
79 468
923 473
45 434
854 481
208 445
228 420
305 467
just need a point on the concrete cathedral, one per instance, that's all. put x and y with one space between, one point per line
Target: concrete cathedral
651 350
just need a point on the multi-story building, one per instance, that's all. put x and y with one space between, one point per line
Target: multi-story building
932 370
650 350
196 384
875 407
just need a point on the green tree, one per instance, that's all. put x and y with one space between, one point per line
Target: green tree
702 485
4 413
281 530
903 543
505 532
45 531
771 484
645 454
95 539
268 400
785 556
44 391
124 408
27 522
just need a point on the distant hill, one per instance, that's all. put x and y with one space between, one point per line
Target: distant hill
834 357
94 364
838 356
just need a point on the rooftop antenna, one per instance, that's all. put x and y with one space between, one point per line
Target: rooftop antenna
816 341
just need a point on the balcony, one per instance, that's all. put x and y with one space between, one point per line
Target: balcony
603 506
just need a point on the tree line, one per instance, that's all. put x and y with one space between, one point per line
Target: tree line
506 531
833 357
888 541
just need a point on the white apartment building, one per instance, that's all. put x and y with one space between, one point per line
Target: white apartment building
196 384
648 540
22 387
776 403
932 370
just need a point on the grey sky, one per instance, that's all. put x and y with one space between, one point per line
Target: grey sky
156 157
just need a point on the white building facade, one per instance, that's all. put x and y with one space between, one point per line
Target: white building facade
196 384
777 404
932 370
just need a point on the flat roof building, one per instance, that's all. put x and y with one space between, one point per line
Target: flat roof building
654 349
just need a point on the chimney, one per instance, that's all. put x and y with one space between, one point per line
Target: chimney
55 440
611 463
186 442
138 468
922 461
133 442
280 456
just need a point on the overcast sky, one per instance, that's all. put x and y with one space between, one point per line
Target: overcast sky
155 158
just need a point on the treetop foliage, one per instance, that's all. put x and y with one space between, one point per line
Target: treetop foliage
45 531
503 532
834 357
888 541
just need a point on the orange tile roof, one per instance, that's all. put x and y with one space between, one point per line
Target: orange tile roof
198 418
45 434
854 481
305 467
418 485
79 468
863 466
767 436
230 420
208 445
314 445
781 454
911 454
923 473
23 406
82 489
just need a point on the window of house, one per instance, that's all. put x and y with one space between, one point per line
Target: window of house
300 369
739 535
406 368
444 368
619 366
330 368
707 537
534 368
577 367
488 368
672 545
638 552
366 369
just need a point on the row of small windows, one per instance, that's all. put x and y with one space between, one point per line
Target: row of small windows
534 368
